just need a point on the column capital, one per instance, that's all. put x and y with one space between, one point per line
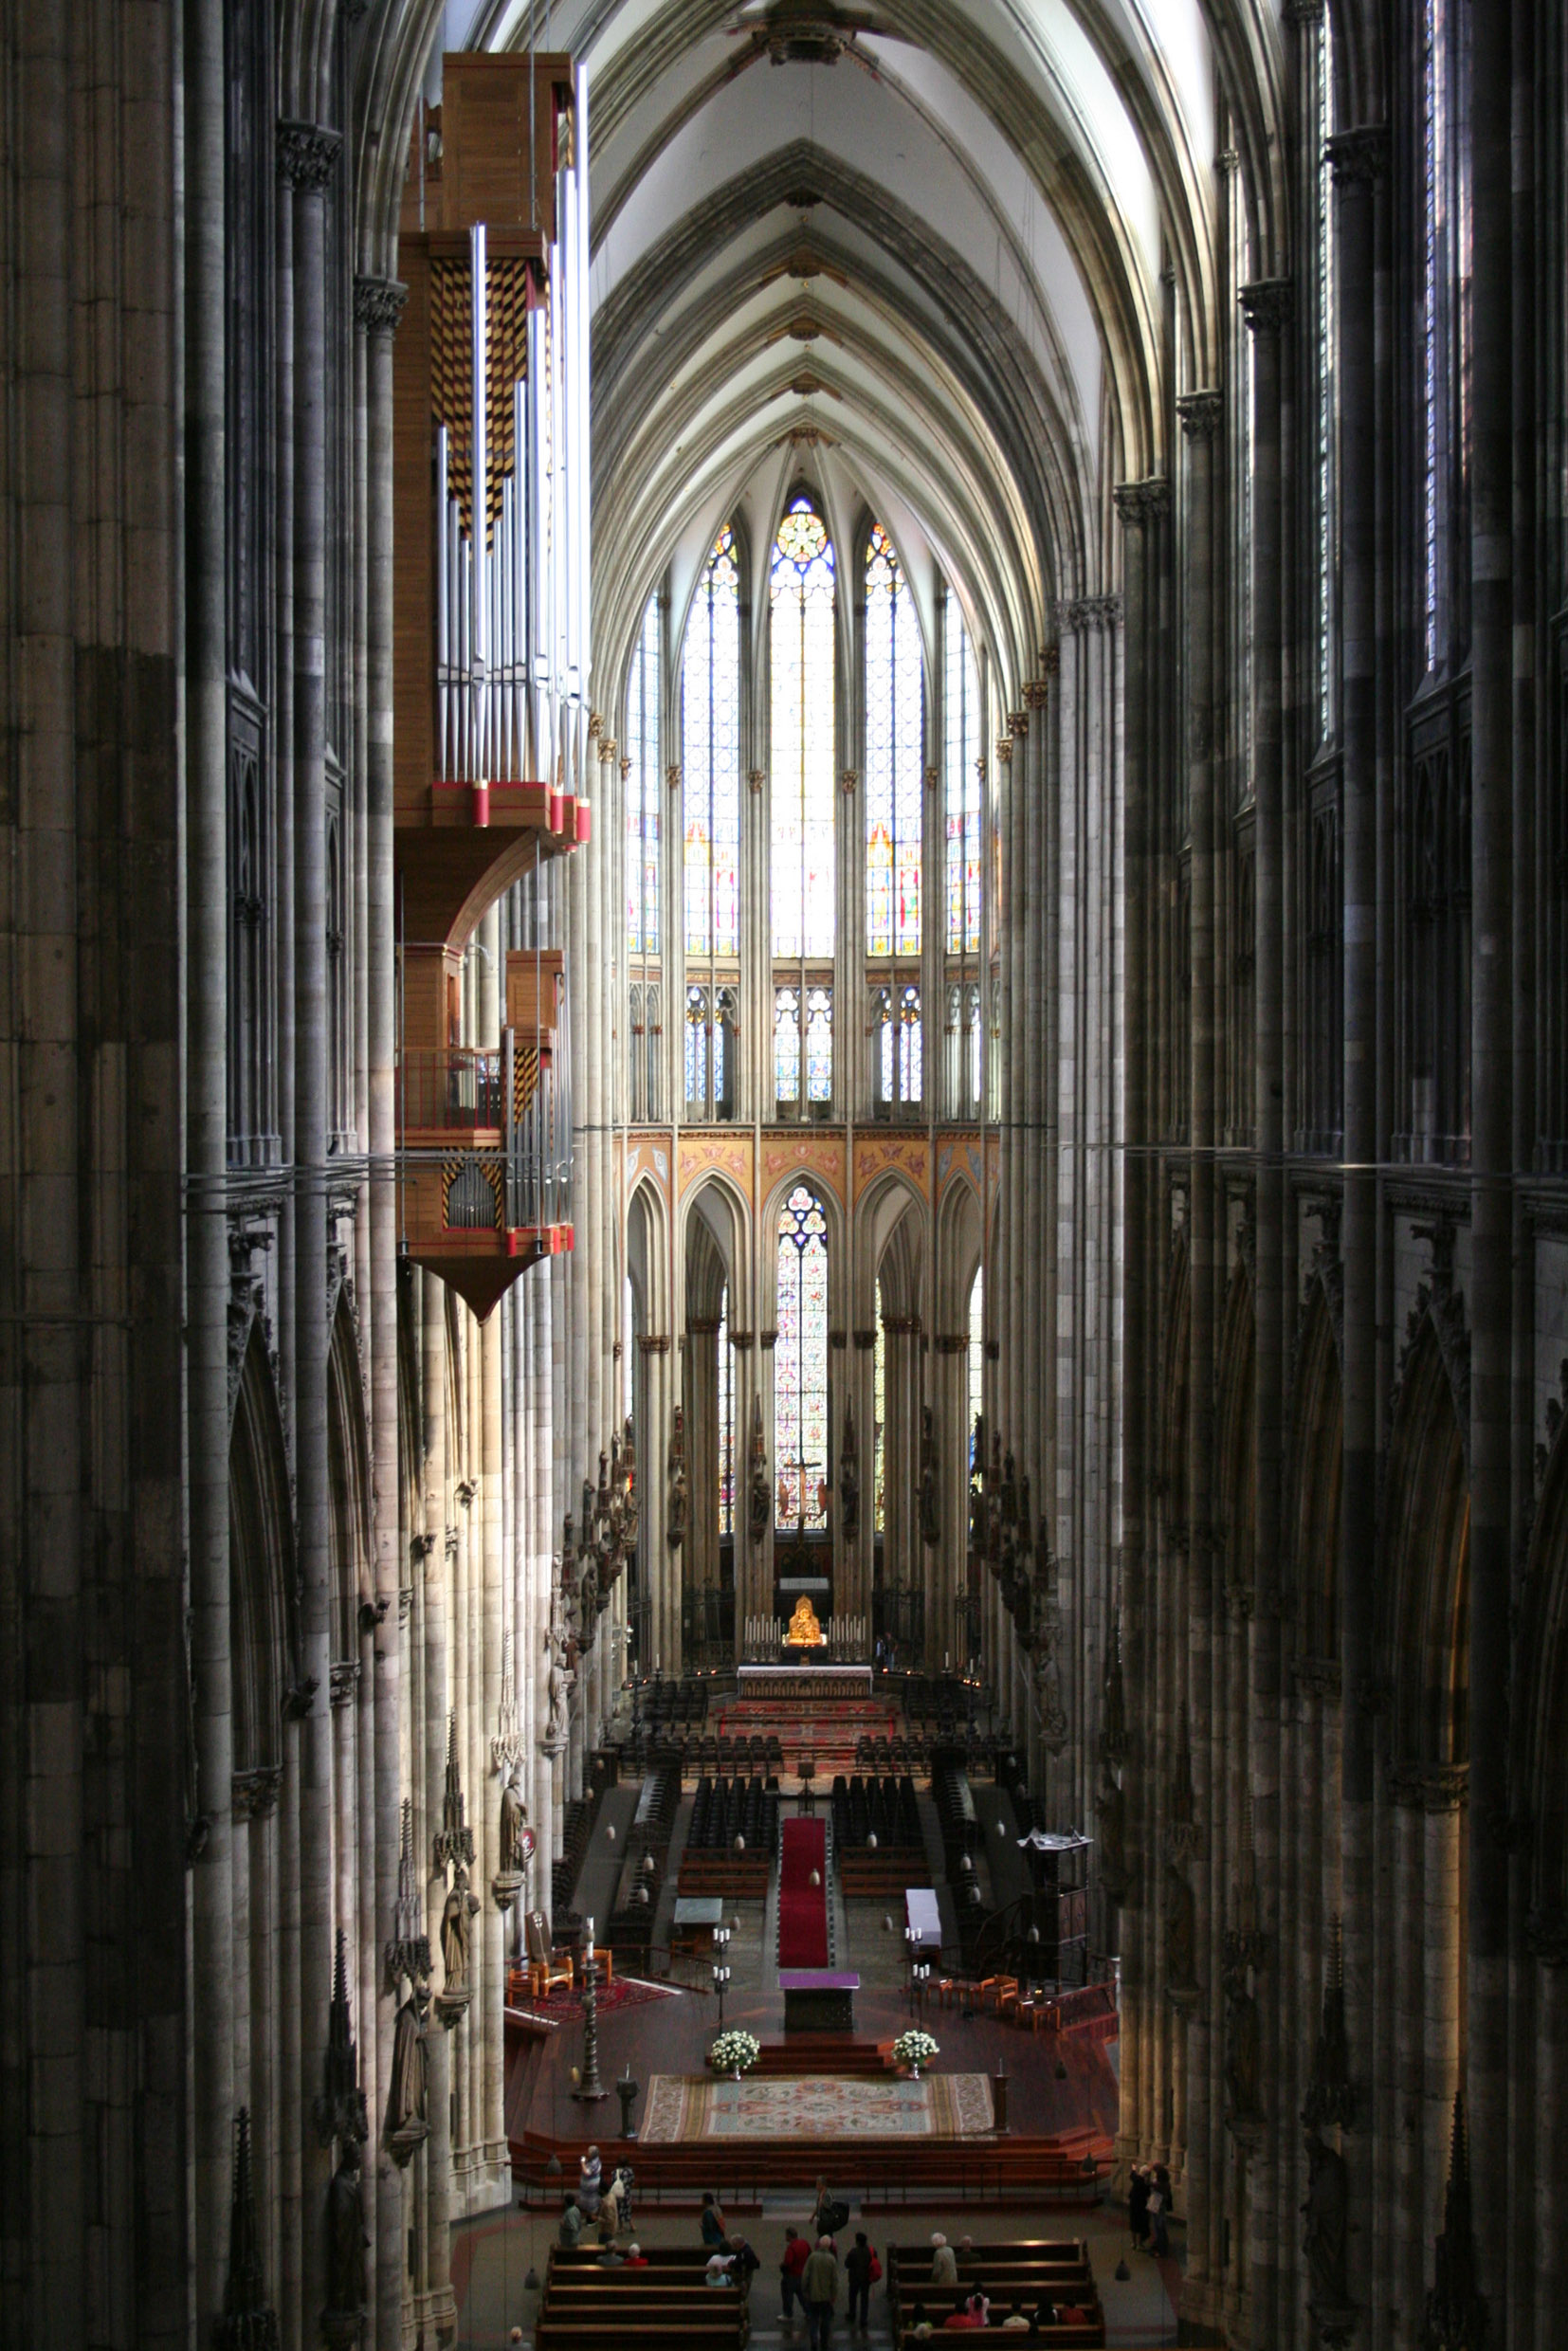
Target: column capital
1359 156
1087 612
308 153
1304 11
1268 304
1036 694
378 304
1004 749
1201 413
1018 720
1142 502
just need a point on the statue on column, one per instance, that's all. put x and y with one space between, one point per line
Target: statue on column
675 1508
1180 1936
517 1845
347 2241
930 1523
848 1478
1326 2214
760 1497
457 1933
407 2117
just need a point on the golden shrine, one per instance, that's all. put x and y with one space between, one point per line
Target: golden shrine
805 1632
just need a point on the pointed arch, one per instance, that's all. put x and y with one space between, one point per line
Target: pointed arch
1426 1531
261 1590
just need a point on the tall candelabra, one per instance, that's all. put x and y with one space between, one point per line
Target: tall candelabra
591 2087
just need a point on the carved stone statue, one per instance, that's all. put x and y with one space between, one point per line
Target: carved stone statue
1180 1932
1242 2055
457 1933
676 1516
930 1525
516 1846
759 1502
1114 1874
848 1481
406 2111
1326 2214
347 2237
554 1729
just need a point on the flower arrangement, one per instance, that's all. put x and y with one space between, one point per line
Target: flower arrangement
914 2049
735 2052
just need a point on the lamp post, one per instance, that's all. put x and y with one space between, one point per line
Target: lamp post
721 1979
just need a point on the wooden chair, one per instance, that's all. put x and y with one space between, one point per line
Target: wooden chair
546 1968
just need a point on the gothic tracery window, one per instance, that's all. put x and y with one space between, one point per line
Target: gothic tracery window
726 1419
710 756
800 1366
894 754
962 783
803 705
641 789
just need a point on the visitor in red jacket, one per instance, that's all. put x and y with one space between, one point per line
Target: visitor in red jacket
796 2253
635 2257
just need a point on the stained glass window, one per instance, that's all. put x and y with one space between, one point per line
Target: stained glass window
895 741
819 1044
787 1045
961 761
641 789
879 1425
710 756
800 1363
802 735
1434 32
726 1418
976 1360
896 1029
1328 360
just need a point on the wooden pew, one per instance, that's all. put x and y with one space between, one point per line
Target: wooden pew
587 2308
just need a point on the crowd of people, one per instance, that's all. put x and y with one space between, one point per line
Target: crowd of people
814 2275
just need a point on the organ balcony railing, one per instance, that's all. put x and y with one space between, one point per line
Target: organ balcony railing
486 1141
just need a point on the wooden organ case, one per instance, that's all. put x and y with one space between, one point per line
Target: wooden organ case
490 648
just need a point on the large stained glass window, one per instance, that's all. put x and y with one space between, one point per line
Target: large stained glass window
726 1418
894 755
802 735
800 1364
710 756
641 789
961 782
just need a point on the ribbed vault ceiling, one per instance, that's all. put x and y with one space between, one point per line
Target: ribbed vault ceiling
948 259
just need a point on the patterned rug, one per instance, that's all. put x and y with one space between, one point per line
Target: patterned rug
564 2006
940 2105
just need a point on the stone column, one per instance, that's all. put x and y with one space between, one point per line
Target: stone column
1267 306
1493 1237
431 1767
205 1097
378 307
1357 159
308 155
1201 414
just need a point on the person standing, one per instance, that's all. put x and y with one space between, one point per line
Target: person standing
797 2255
571 2226
1137 2206
819 2285
857 2269
714 2230
944 2262
1160 2207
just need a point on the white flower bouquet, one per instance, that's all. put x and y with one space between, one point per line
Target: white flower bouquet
914 2049
735 2052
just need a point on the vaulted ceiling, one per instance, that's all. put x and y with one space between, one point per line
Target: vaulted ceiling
949 259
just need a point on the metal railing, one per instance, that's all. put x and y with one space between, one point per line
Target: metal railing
523 1094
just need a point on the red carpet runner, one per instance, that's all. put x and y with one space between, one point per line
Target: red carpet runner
802 1906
